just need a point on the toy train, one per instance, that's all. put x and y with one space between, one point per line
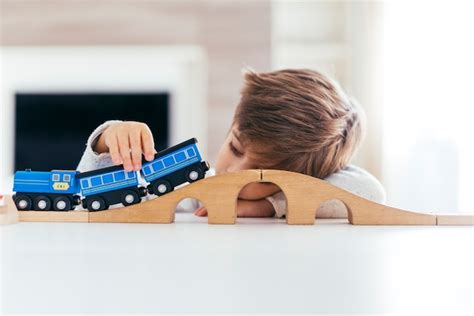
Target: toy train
63 190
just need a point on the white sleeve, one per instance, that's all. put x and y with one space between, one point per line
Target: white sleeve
278 201
91 160
353 179
358 181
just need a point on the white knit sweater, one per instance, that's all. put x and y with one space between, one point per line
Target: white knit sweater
352 179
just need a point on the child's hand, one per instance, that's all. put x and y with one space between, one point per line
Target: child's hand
245 208
126 142
251 201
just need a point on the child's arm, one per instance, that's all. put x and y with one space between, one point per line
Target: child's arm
351 178
258 191
118 135
91 159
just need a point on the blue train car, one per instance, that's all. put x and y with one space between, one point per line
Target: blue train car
62 190
174 166
44 191
103 187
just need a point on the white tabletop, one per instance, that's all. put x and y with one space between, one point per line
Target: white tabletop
258 265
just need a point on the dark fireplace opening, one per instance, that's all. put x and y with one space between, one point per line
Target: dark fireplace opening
51 129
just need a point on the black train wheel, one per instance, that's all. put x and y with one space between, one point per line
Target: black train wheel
23 202
42 203
62 203
194 173
96 203
130 197
161 187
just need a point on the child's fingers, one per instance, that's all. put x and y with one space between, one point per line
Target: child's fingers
124 148
112 143
148 144
202 211
136 149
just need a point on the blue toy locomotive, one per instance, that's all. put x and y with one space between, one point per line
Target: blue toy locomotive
62 190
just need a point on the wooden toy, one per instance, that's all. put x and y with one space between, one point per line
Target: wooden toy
454 219
219 195
63 190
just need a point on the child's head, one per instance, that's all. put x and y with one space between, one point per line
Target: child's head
296 120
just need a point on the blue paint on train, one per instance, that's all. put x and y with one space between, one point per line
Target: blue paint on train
167 164
53 182
170 163
109 181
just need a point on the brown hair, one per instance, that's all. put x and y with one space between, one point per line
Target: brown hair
298 120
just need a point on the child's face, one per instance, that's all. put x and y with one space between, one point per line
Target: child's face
233 156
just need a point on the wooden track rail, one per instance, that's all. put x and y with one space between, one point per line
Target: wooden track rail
219 194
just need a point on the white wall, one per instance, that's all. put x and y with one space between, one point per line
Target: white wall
428 66
410 66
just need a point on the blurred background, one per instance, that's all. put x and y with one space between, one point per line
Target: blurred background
67 66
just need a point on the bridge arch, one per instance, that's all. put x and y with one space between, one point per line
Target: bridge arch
304 195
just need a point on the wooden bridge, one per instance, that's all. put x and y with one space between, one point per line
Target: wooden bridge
219 195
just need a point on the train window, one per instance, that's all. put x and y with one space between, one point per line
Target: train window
96 181
119 176
56 177
108 178
131 175
168 161
191 152
146 170
85 183
67 178
157 166
180 157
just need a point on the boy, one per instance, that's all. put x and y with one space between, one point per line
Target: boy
295 120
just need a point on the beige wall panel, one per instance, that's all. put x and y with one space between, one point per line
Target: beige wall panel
233 33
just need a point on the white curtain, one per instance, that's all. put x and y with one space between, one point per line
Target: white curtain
428 137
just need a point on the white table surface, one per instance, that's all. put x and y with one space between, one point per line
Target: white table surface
258 265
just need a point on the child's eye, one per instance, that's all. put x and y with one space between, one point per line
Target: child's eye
234 150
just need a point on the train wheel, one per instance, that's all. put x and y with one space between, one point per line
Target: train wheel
130 197
23 202
161 187
42 203
96 204
194 173
62 203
